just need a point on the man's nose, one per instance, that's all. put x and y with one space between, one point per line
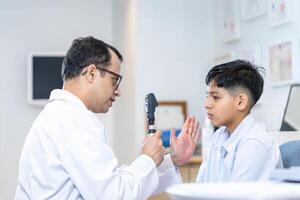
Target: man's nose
118 92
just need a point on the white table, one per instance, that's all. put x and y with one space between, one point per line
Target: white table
234 191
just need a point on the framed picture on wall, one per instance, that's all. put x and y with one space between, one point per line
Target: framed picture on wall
253 55
230 20
252 9
281 12
282 60
225 57
168 115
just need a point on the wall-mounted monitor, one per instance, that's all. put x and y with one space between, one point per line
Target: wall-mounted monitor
291 117
43 75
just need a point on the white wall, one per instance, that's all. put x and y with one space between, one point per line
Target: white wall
169 47
257 32
174 53
36 26
124 33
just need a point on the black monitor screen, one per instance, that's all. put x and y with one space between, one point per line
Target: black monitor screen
291 118
46 75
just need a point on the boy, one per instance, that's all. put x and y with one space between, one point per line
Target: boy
241 149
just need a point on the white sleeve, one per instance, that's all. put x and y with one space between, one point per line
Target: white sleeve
93 168
168 175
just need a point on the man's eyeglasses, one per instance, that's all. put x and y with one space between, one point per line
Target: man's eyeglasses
118 77
117 80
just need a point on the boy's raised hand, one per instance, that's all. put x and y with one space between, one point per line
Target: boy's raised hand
182 147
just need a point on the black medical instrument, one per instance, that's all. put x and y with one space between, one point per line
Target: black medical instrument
150 105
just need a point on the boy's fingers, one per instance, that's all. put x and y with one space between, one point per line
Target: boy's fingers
172 136
195 129
186 125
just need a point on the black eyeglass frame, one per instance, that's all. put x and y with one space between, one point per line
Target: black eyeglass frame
119 77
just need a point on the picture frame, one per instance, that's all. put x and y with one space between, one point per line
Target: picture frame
252 54
282 61
252 9
281 12
225 57
168 115
230 20
43 75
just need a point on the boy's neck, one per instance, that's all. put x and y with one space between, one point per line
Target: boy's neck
236 122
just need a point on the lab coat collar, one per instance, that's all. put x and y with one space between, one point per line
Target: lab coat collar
64 95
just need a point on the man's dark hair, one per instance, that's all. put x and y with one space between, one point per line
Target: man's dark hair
238 74
84 52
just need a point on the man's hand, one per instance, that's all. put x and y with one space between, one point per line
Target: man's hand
153 147
182 147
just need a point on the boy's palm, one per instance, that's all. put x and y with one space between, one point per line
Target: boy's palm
182 147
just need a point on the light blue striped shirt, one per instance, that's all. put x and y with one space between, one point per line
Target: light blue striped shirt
248 154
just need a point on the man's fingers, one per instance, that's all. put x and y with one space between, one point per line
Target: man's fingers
146 138
163 153
158 134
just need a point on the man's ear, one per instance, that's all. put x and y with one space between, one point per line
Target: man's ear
242 101
91 73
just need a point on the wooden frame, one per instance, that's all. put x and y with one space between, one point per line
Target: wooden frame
168 115
169 105
181 104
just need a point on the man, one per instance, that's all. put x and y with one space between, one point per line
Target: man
66 155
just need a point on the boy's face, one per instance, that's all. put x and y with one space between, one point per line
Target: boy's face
221 106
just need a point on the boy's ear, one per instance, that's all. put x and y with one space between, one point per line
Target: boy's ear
242 102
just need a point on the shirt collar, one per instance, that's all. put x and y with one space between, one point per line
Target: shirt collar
229 141
64 95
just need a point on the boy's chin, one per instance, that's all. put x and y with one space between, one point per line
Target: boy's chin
216 124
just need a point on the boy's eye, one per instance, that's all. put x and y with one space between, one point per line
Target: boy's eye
216 97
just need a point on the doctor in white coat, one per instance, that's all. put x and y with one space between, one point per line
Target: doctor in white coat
66 154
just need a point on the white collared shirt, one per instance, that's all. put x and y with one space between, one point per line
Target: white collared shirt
248 154
66 156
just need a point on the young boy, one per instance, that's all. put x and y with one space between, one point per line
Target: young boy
241 149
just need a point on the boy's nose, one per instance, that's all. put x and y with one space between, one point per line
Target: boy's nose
207 104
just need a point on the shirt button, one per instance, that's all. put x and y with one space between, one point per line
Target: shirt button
223 152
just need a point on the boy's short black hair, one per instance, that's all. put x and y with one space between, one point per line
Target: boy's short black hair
238 74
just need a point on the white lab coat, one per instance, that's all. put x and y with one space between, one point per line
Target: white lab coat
66 156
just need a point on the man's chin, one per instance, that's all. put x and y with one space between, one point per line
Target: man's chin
105 110
102 110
